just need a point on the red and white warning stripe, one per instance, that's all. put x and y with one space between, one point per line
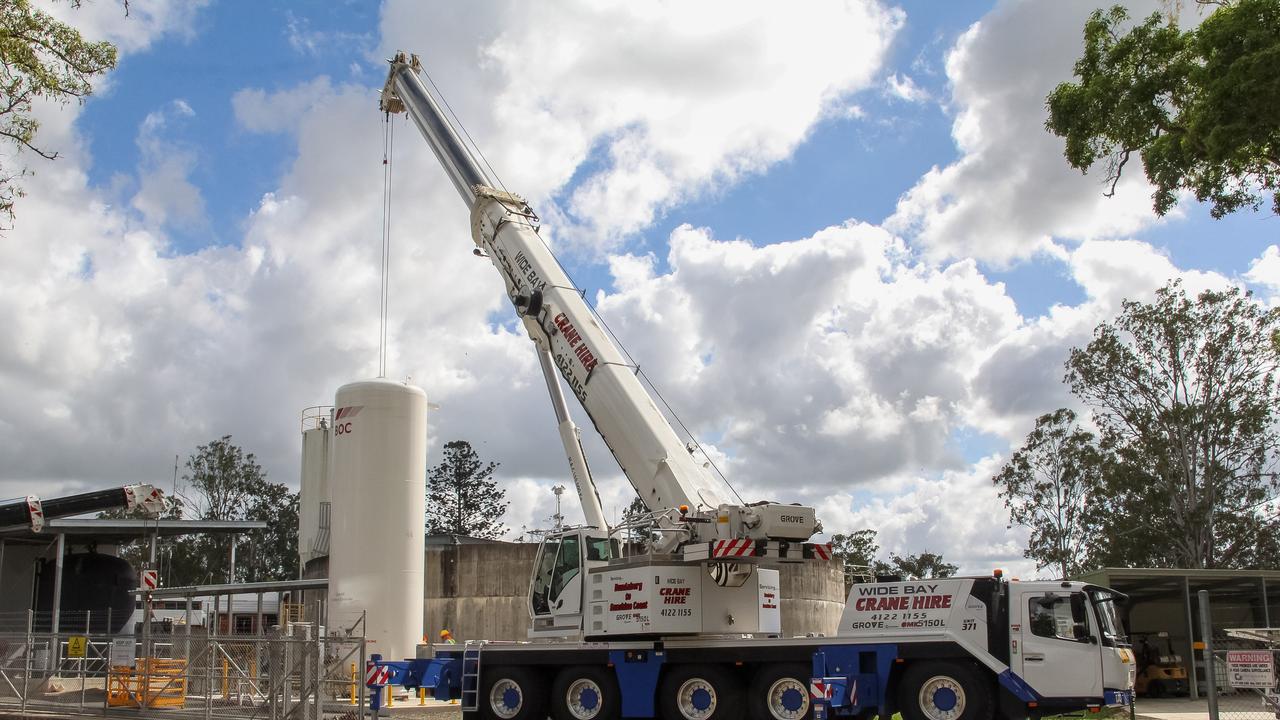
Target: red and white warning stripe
376 675
733 548
819 690
822 551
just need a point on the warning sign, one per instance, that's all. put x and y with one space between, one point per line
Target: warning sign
1251 669
76 645
122 652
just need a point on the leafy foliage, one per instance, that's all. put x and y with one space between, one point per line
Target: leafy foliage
1201 107
1184 393
1046 486
857 552
39 57
462 496
923 566
222 482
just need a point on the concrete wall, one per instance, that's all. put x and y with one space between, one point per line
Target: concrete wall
479 591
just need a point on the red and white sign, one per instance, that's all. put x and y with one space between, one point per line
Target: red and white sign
820 689
375 675
822 551
1251 669
149 579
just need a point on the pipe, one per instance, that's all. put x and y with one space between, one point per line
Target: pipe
57 580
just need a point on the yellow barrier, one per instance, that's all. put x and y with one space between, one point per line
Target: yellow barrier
152 682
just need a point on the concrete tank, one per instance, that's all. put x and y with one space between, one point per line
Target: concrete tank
478 589
378 489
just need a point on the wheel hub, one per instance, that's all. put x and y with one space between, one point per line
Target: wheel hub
942 698
788 699
583 699
505 698
696 699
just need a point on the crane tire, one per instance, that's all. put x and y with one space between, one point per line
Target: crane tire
700 692
512 692
780 692
940 690
585 692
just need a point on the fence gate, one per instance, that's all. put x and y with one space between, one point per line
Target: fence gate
295 673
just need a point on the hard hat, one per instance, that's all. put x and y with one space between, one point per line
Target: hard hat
445 633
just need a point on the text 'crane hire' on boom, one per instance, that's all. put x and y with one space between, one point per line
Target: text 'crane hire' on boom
571 336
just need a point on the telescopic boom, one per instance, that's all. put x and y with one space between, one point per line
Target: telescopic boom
569 336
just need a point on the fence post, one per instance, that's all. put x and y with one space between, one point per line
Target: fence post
208 674
1210 672
88 615
26 675
363 659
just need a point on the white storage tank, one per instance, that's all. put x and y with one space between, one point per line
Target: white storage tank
314 502
377 482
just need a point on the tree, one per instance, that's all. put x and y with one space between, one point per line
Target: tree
462 496
1201 107
1184 393
856 552
923 566
636 510
40 57
1046 486
273 552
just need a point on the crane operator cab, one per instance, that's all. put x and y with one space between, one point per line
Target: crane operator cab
555 591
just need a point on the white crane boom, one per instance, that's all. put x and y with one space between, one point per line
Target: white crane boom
568 334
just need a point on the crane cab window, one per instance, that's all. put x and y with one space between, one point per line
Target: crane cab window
602 549
1059 616
567 565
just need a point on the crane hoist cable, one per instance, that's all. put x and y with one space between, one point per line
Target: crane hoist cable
388 156
457 122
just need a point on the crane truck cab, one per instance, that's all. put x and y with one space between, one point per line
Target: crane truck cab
1051 646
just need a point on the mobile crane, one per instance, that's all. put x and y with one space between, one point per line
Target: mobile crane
691 627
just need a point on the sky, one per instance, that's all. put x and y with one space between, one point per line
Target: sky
837 238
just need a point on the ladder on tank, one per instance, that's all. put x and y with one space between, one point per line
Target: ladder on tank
471 676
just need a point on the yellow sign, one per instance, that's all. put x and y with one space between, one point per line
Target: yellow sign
76 645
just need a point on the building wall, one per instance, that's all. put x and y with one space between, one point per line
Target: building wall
480 590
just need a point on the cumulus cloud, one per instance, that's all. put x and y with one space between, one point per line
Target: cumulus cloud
134 32
836 353
661 101
166 193
904 88
837 368
1011 194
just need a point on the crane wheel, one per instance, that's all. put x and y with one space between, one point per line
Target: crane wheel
944 691
700 692
780 692
512 693
585 692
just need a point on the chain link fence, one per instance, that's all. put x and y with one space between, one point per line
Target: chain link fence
1244 679
296 672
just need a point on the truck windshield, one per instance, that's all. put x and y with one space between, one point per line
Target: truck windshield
1108 616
